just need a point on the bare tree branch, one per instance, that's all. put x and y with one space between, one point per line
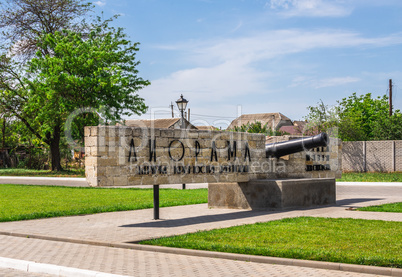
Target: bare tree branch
24 21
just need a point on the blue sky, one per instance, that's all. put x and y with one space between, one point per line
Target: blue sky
232 57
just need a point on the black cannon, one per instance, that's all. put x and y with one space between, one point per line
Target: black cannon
280 149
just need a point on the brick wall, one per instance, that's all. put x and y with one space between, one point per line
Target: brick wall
352 156
376 156
398 155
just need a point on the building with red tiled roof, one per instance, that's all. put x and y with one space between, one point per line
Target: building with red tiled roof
273 120
296 129
164 123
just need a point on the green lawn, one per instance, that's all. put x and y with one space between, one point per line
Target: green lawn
354 241
371 177
391 207
42 173
19 202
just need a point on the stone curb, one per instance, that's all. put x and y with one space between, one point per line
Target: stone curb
43 178
45 181
376 184
386 271
34 267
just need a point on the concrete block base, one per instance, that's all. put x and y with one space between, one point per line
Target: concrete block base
272 194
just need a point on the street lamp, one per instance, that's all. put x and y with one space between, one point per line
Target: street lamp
182 104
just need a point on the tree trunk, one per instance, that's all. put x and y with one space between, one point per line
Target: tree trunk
55 150
4 132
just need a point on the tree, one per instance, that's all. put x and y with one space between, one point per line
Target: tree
358 114
357 118
257 127
321 118
388 128
8 125
23 22
73 71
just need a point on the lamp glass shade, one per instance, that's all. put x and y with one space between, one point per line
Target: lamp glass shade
181 103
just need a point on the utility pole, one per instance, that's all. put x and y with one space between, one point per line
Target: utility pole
390 97
188 118
171 106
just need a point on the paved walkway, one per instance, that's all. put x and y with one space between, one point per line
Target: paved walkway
146 263
81 242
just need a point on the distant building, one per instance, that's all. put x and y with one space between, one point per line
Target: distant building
207 128
273 120
165 123
296 129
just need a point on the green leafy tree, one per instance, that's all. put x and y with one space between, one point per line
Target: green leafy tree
73 71
257 127
357 118
321 118
8 139
388 128
23 23
358 114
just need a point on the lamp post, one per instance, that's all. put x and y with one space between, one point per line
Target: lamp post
182 104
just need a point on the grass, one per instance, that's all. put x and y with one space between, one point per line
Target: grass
20 202
371 177
42 173
391 208
353 241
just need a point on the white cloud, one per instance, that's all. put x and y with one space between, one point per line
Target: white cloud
238 26
271 44
311 8
208 84
304 81
225 72
100 3
337 81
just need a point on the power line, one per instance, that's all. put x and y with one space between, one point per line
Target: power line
196 115
193 114
216 116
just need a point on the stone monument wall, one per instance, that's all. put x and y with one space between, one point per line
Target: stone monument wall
123 156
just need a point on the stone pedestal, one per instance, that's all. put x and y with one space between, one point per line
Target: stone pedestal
272 194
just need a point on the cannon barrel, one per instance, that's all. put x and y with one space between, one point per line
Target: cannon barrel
284 148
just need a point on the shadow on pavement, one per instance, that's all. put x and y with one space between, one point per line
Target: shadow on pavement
171 223
351 201
200 219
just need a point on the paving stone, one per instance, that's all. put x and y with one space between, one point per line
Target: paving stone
140 263
123 227
131 226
